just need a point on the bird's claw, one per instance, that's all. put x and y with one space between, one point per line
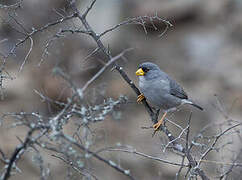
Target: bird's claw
140 98
157 125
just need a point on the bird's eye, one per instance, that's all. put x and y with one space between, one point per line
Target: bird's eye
145 69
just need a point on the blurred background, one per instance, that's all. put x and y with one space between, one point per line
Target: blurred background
202 51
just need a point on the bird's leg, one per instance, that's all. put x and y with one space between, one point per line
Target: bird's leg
140 98
159 123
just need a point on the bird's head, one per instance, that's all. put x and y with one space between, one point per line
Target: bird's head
147 69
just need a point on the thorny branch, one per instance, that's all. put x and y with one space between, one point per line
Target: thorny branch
140 21
30 36
215 141
12 6
109 163
84 173
20 149
134 151
111 61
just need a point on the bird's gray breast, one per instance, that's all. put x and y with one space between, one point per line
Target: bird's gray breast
155 90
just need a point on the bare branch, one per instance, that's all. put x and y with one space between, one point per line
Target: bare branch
34 31
215 141
16 155
27 55
107 162
82 172
88 9
111 61
133 151
91 54
12 6
140 21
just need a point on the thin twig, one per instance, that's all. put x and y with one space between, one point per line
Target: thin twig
27 55
82 172
111 61
28 140
215 141
133 151
12 6
107 162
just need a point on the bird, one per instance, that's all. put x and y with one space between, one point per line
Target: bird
161 91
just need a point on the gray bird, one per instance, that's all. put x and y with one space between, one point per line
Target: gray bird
160 90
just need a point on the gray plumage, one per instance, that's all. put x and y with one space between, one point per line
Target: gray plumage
160 90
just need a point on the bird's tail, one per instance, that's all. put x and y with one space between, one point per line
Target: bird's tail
197 106
186 101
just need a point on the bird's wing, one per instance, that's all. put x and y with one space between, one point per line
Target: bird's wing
177 90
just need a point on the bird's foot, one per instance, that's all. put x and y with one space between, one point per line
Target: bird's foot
157 125
140 98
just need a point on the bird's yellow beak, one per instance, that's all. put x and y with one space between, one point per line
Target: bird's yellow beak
140 72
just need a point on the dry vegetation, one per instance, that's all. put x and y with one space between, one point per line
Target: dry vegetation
68 91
